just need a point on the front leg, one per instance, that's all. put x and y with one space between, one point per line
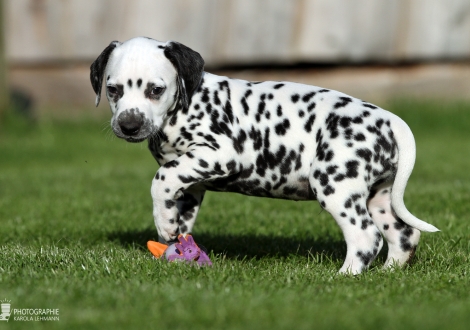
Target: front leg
188 207
176 198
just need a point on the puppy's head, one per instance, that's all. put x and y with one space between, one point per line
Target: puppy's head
146 81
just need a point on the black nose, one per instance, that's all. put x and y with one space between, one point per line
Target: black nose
130 122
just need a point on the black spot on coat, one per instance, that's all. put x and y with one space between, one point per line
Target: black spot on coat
343 101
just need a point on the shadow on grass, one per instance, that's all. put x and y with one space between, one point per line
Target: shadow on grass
244 245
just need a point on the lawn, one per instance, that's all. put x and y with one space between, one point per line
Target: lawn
75 216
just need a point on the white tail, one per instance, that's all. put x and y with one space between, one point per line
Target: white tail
406 160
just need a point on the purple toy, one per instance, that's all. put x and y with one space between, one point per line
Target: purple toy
186 250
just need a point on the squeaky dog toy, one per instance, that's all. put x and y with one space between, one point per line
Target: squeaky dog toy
186 250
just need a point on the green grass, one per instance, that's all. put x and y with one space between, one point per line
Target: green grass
75 214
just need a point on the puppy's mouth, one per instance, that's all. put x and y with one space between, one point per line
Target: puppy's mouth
134 139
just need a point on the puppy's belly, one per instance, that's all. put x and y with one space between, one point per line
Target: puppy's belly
292 187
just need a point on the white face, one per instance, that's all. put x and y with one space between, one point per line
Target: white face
141 88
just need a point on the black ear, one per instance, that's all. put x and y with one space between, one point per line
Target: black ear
97 69
189 65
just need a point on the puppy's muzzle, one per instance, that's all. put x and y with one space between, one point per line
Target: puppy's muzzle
130 122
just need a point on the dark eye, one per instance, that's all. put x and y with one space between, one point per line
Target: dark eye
157 90
112 90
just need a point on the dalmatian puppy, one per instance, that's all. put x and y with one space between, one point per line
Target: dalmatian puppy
269 139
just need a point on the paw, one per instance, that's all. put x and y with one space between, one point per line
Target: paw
351 269
168 230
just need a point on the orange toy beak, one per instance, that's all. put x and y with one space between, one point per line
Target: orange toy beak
157 249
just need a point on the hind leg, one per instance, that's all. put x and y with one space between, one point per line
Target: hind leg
349 209
401 238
